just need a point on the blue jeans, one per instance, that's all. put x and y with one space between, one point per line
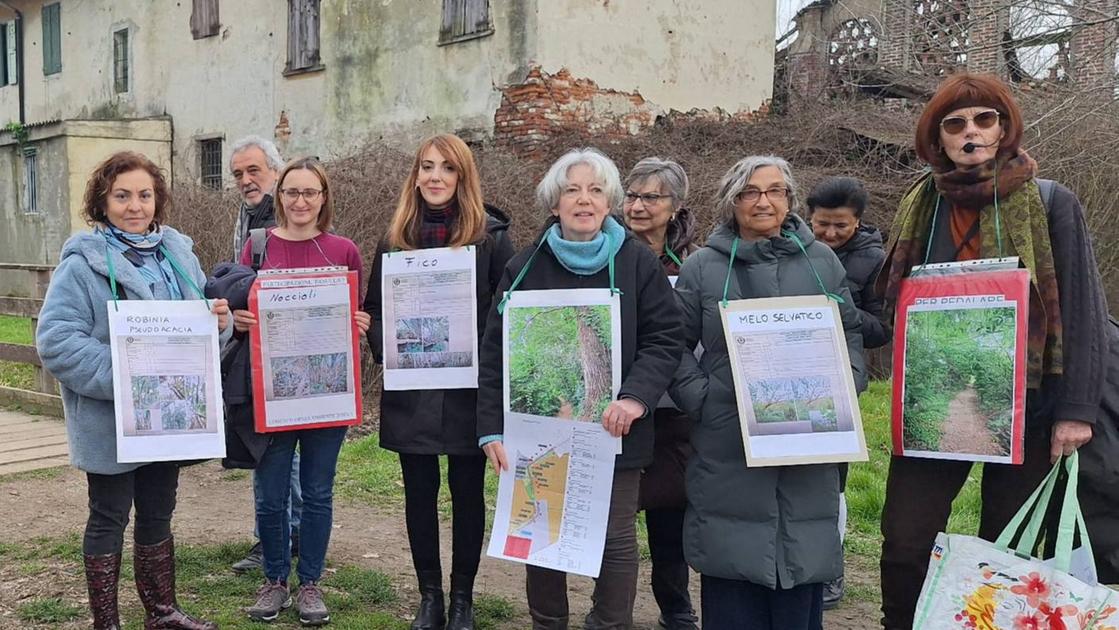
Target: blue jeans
318 459
294 507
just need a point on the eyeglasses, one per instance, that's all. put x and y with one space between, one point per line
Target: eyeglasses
954 125
291 195
751 195
647 199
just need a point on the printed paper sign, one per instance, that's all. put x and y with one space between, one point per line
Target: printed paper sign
166 380
305 349
430 319
793 381
959 364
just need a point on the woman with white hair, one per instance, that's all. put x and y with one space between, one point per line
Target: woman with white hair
583 247
764 540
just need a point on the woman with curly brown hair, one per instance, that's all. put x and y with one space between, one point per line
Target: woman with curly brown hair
129 253
982 199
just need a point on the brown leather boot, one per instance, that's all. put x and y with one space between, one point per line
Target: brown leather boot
155 582
101 576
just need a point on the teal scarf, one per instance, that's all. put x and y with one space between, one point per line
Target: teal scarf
586 258
155 267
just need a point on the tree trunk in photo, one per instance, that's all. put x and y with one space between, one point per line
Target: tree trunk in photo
596 365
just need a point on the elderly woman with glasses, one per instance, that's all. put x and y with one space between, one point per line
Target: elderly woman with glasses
584 247
654 210
764 540
983 184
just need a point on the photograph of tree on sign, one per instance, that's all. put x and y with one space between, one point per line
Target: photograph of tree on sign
560 361
959 380
793 405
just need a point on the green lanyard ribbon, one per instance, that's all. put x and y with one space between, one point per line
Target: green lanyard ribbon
800 244
614 290
174 265
672 255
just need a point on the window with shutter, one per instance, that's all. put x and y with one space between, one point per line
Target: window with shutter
30 201
52 38
464 19
10 46
204 19
303 36
120 61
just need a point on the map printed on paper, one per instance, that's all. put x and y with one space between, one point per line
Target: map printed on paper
553 502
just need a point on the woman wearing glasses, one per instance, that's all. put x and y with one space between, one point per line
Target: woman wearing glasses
654 212
305 211
763 539
441 205
981 183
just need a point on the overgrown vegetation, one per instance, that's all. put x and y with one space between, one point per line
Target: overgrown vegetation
948 351
1073 135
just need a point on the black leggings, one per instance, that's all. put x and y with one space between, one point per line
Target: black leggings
151 488
466 474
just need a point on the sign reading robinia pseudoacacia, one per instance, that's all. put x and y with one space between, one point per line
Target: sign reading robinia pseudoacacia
793 381
305 349
960 361
166 380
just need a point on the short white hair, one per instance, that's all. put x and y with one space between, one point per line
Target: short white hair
266 146
550 188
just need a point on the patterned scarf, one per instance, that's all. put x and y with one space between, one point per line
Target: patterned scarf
1024 229
142 250
435 225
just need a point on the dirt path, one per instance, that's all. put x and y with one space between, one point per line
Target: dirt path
965 430
215 508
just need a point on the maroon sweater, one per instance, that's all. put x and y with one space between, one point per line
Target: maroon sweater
325 250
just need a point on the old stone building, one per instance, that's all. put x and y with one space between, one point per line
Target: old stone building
324 77
900 47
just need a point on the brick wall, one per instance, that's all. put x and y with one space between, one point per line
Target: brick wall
548 105
989 21
895 40
1092 49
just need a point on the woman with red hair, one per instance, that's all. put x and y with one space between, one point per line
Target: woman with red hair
982 200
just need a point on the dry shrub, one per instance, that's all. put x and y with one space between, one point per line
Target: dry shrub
1073 135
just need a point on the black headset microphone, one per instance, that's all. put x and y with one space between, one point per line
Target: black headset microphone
970 147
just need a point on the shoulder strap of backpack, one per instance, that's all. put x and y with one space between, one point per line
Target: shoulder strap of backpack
259 239
1047 187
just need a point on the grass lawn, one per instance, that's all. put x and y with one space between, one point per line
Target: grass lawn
16 330
363 598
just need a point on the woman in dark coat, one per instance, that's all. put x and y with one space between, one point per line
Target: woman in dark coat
764 539
982 200
575 252
441 206
835 211
653 210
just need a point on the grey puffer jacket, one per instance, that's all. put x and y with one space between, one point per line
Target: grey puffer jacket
774 526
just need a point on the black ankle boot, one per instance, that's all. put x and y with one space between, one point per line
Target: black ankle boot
462 603
432 614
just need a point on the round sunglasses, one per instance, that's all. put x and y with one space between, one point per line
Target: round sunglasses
954 125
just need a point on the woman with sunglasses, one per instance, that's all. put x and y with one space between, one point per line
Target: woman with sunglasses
764 540
301 239
983 184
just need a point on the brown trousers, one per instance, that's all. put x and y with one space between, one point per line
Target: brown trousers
919 495
616 585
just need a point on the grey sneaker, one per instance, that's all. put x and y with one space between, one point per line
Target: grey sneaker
254 560
833 592
311 607
271 600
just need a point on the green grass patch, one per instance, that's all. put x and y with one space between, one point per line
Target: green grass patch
16 330
48 610
490 611
42 474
